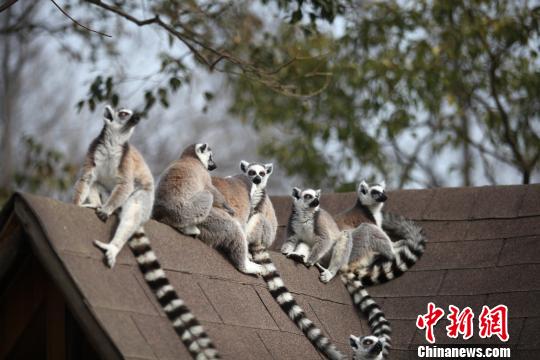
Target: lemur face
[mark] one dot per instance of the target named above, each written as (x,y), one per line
(258,174)
(205,155)
(122,120)
(371,195)
(366,347)
(308,199)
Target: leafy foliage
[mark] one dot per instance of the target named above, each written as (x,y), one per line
(44,170)
(410,82)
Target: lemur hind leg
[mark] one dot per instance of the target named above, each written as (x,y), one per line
(221,231)
(259,232)
(185,218)
(340,257)
(134,213)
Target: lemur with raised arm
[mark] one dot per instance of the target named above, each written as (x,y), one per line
(114,171)
(260,221)
(187,200)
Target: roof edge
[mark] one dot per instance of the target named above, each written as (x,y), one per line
(50,260)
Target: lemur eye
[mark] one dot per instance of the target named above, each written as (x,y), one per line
(251,172)
(123,114)
(262,173)
(368,342)
(308,197)
(375,192)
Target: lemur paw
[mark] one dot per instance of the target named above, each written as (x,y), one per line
(89,206)
(191,230)
(308,264)
(287,249)
(252,268)
(297,257)
(110,252)
(102,214)
(326,276)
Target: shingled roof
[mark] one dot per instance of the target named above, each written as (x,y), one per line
(484,249)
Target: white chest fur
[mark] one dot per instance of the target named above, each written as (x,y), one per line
(107,160)
(377,214)
(304,227)
(256,195)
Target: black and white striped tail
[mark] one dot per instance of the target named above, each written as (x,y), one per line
(408,249)
(289,305)
(184,322)
(365,304)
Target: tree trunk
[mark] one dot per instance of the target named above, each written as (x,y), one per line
(467,165)
(6,157)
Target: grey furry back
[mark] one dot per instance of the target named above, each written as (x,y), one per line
(409,246)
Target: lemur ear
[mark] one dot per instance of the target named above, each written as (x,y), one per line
(363,187)
(353,340)
(296,192)
(201,147)
(269,168)
(244,165)
(383,184)
(318,193)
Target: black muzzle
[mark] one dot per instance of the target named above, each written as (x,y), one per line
(381,197)
(257,180)
(376,349)
(314,203)
(211,165)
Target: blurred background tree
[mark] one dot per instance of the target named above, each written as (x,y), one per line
(424,93)
(428,93)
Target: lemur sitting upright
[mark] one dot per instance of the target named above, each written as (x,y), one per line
(384,264)
(363,224)
(188,201)
(246,194)
(116,172)
(374,257)
(311,230)
(261,227)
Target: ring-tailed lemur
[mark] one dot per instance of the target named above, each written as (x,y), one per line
(311,230)
(311,234)
(382,267)
(246,193)
(116,171)
(261,228)
(364,241)
(374,257)
(363,225)
(366,347)
(187,201)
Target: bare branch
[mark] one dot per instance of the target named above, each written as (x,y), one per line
(76,22)
(7,4)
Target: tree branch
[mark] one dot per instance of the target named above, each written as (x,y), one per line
(76,22)
(190,40)
(7,4)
